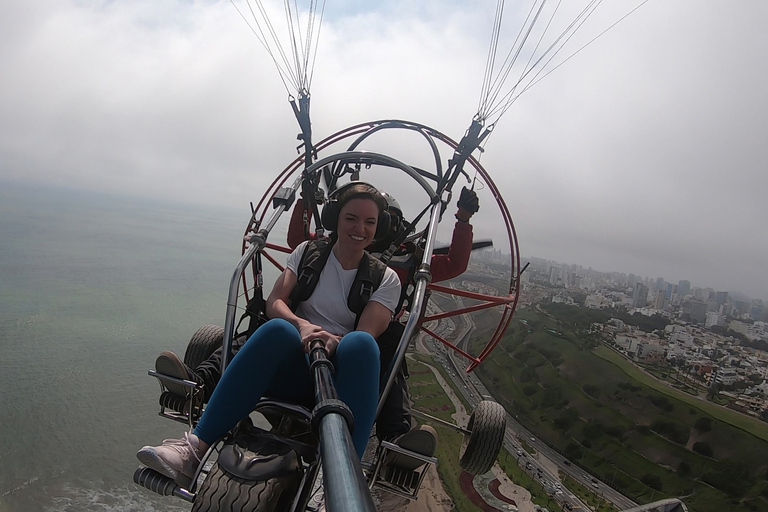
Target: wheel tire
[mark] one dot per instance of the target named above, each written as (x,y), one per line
(222,491)
(228,489)
(203,343)
(480,448)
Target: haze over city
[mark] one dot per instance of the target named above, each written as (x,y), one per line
(642,154)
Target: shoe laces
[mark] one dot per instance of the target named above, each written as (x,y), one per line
(182,446)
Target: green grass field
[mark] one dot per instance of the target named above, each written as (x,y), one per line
(648,439)
(747,423)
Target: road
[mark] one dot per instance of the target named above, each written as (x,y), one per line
(474,391)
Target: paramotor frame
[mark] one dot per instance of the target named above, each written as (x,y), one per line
(436,183)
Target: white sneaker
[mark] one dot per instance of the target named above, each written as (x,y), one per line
(174,457)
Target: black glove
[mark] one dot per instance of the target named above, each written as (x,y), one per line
(468,201)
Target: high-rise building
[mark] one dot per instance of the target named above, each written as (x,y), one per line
(661,285)
(694,311)
(721,298)
(714,318)
(683,288)
(640,295)
(742,306)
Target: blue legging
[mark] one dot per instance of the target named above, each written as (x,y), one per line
(273,363)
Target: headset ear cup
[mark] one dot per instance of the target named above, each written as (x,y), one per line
(330,216)
(383,225)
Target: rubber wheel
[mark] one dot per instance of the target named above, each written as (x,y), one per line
(254,475)
(480,448)
(222,491)
(203,343)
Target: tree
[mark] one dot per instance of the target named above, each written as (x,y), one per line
(713,391)
(573,451)
(528,375)
(703,424)
(652,481)
(593,430)
(675,432)
(702,448)
(731,477)
(616,431)
(591,390)
(566,419)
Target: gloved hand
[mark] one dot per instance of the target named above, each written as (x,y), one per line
(469,203)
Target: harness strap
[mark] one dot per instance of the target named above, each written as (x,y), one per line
(368,278)
(312,262)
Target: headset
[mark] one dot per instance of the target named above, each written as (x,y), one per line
(330,215)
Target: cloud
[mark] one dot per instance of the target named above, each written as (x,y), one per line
(643,153)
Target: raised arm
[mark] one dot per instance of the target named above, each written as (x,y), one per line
(455,262)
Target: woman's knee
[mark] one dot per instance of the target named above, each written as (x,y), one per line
(358,346)
(275,336)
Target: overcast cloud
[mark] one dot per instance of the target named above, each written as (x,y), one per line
(645,153)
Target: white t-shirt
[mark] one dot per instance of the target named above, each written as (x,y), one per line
(327,306)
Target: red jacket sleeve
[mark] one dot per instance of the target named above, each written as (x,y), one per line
(296,225)
(453,264)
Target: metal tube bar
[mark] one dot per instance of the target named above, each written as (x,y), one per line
(469,295)
(441,421)
(258,242)
(472,309)
(344,483)
(450,345)
(346,489)
(416,307)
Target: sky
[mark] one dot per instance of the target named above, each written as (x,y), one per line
(644,153)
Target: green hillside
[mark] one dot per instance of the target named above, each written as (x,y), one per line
(644,438)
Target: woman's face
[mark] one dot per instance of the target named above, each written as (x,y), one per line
(357,223)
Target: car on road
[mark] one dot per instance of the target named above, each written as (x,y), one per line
(595,484)
(566,462)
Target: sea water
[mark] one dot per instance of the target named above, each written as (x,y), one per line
(92,289)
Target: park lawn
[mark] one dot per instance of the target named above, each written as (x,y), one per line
(548,379)
(752,425)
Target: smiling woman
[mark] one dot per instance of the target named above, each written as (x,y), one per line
(273,361)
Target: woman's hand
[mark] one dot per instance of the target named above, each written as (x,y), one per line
(307,329)
(331,341)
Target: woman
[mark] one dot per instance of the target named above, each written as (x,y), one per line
(273,362)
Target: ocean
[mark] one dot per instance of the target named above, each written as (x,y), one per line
(92,288)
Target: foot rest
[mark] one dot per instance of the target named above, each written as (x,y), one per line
(182,408)
(160,484)
(396,479)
